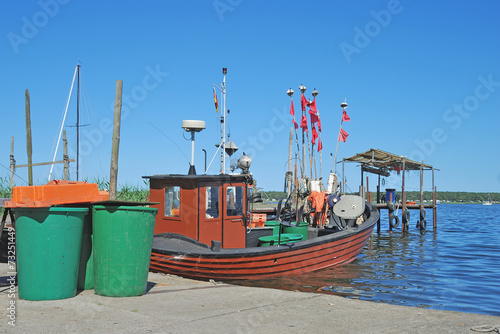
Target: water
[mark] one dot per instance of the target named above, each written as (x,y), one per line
(456,268)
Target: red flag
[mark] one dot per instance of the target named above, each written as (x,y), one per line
(303,102)
(215,100)
(292,111)
(313,106)
(295,125)
(314,117)
(343,135)
(320,145)
(345,118)
(303,123)
(314,134)
(319,124)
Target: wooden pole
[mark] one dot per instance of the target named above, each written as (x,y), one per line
(403,195)
(29,147)
(78,122)
(116,141)
(422,185)
(368,193)
(434,202)
(65,156)
(12,163)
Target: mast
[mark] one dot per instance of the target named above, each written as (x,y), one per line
(223,125)
(77,120)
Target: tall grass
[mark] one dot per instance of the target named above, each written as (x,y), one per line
(126,192)
(5,189)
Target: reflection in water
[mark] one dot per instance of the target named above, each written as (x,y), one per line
(453,268)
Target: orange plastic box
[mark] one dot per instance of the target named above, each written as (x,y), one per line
(258,220)
(56,192)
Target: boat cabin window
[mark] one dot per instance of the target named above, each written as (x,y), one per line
(172,201)
(234,201)
(212,202)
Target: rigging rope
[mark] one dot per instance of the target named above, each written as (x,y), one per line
(486,328)
(62,124)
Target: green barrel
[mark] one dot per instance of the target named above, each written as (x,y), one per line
(276,226)
(86,268)
(123,236)
(292,237)
(301,229)
(48,245)
(272,240)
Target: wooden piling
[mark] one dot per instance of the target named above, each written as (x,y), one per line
(28,137)
(403,196)
(116,141)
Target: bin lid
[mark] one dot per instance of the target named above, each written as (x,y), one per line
(55,192)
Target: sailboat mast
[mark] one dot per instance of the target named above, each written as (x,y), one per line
(77,121)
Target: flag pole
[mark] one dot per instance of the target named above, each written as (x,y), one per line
(290,93)
(343,105)
(314,94)
(303,89)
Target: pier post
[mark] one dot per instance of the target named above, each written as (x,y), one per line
(403,197)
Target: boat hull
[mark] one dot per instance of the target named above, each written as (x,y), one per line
(175,254)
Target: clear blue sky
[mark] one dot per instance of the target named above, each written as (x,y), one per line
(422,79)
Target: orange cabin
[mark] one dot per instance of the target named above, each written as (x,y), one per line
(205,208)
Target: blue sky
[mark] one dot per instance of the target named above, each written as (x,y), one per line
(422,79)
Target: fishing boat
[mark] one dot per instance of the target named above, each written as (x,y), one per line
(208,228)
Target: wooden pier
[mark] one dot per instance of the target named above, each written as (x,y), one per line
(381,163)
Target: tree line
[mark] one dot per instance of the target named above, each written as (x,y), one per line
(414,196)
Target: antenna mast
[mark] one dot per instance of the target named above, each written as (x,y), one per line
(223,125)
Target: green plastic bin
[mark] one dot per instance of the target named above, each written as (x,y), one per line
(86,267)
(301,229)
(276,226)
(123,236)
(48,245)
(292,237)
(272,240)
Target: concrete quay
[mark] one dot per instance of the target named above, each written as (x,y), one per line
(177,305)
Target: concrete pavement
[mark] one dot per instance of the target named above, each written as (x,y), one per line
(178,305)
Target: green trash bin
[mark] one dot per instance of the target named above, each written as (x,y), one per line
(301,229)
(86,267)
(292,237)
(123,236)
(271,240)
(48,242)
(275,225)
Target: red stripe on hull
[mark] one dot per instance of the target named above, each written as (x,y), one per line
(287,261)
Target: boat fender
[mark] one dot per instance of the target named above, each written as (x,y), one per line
(394,221)
(406,216)
(423,224)
(422,213)
(390,206)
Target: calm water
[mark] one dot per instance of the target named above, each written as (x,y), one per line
(455,268)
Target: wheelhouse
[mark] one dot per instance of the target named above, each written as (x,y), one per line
(207,208)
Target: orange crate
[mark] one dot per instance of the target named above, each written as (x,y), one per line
(56,192)
(258,220)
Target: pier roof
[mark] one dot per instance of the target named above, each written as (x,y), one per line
(386,161)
